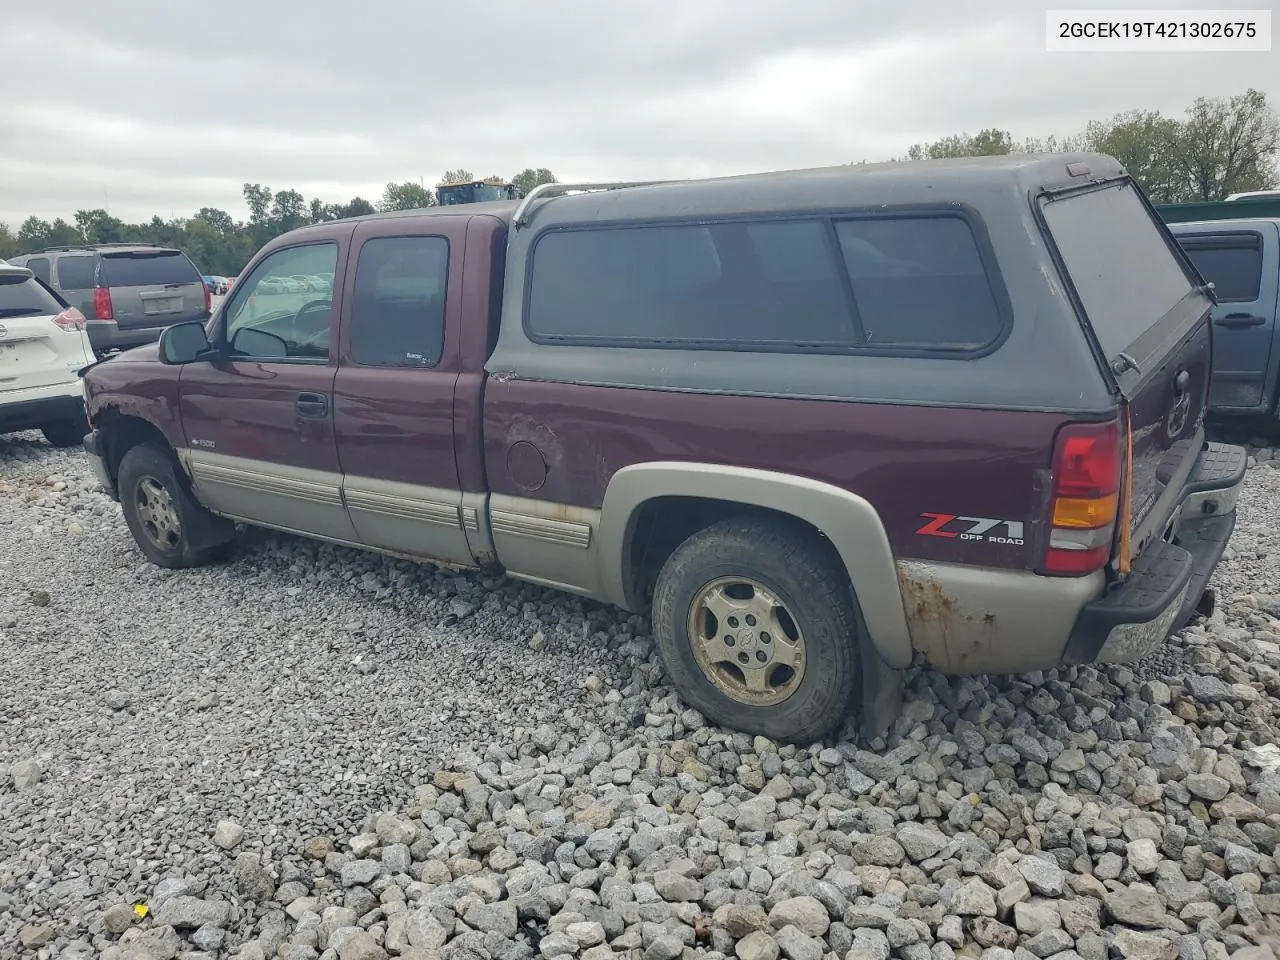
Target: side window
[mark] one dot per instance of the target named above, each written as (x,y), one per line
(765,283)
(397,311)
(919,282)
(75,273)
(1232,263)
(40,267)
(283,309)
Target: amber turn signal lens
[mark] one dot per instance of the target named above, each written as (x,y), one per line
(1084,513)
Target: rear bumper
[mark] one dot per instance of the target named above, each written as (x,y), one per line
(109,335)
(31,409)
(1167,580)
(94,447)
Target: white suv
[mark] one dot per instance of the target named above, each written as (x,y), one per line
(43,346)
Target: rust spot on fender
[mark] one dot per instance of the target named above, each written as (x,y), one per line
(950,637)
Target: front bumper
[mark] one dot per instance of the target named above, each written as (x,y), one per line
(94,447)
(1166,581)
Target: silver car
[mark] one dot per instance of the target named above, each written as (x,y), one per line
(128,292)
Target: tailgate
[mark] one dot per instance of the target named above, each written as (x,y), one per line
(1149,321)
(152,288)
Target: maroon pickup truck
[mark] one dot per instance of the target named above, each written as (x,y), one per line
(816,423)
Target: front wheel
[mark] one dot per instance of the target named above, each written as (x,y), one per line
(169,526)
(757,629)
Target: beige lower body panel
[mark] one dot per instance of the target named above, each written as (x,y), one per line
(271,494)
(551,544)
(972,620)
(409,519)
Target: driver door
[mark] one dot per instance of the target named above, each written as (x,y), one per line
(258,419)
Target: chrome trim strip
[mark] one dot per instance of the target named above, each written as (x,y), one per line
(324,494)
(564,533)
(406,508)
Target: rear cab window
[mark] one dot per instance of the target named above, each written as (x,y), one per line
(1126,274)
(22,296)
(144,268)
(890,283)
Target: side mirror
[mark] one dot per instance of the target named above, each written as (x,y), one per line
(184,343)
(252,342)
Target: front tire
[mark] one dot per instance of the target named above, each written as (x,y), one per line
(756,624)
(65,433)
(167,523)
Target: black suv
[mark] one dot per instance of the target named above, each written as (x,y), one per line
(128,292)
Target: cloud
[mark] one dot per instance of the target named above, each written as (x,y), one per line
(149,106)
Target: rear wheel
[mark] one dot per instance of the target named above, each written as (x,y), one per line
(169,526)
(65,433)
(756,625)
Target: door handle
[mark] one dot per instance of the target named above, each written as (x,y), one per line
(1237,321)
(314,406)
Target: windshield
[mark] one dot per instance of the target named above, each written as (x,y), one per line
(22,296)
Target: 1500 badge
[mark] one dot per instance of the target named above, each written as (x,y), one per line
(952,526)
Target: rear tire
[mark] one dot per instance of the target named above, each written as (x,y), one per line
(65,433)
(781,658)
(167,523)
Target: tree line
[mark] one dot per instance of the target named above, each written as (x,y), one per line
(215,241)
(1221,146)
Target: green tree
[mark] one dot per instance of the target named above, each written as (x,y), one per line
(8,242)
(321,211)
(220,220)
(1145,142)
(406,196)
(33,234)
(529,178)
(288,211)
(985,143)
(461,175)
(258,199)
(1227,145)
(98,226)
(355,207)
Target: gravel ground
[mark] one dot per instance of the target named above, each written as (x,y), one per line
(311,752)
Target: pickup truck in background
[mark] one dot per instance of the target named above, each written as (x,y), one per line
(818,424)
(1241,258)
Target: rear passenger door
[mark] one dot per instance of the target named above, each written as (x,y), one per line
(394,392)
(1242,266)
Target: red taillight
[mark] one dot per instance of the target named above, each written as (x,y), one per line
(208,300)
(102,304)
(70,320)
(1086,487)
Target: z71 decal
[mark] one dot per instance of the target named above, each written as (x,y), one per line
(954,527)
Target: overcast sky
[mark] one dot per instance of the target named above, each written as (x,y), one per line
(165,106)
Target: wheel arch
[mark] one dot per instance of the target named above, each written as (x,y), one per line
(121,432)
(849,522)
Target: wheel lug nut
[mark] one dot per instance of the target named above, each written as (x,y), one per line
(743,658)
(764,637)
(733,621)
(761,656)
(751,621)
(729,641)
